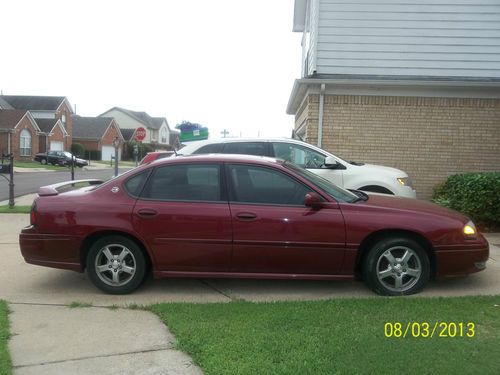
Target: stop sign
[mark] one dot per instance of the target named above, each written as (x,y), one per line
(140,134)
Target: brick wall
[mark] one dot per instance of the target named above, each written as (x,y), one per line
(429,138)
(58,136)
(66,111)
(110,135)
(4,143)
(89,145)
(15,140)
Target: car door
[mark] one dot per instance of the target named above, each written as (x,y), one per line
(184,217)
(273,231)
(308,158)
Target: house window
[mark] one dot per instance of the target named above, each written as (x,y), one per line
(25,145)
(163,135)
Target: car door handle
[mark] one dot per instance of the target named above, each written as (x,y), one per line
(246,216)
(147,212)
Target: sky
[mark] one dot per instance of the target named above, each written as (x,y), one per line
(221,63)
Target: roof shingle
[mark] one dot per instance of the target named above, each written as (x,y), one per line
(92,128)
(34,103)
(9,118)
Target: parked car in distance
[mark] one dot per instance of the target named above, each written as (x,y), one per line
(346,174)
(244,217)
(59,158)
(155,155)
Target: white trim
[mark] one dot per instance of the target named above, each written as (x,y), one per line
(32,121)
(65,100)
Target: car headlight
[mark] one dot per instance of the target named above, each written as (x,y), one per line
(405,181)
(469,231)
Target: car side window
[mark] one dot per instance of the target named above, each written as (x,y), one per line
(214,148)
(258,185)
(299,155)
(134,184)
(246,148)
(184,182)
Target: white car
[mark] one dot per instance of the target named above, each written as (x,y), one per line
(349,175)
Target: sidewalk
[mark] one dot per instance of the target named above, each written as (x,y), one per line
(50,339)
(92,167)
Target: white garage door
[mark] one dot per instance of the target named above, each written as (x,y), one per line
(56,146)
(107,152)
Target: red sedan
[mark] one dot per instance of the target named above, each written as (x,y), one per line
(245,217)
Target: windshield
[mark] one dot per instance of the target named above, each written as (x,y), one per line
(331,189)
(66,153)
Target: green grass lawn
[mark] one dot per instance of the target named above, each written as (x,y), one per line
(5,363)
(38,165)
(341,336)
(15,210)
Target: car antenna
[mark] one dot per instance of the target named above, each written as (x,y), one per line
(175,152)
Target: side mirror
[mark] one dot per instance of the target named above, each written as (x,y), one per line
(332,163)
(313,200)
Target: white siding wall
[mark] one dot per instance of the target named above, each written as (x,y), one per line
(445,38)
(310,38)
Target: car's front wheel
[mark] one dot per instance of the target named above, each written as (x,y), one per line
(396,266)
(116,265)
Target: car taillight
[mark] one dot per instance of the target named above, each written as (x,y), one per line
(33,215)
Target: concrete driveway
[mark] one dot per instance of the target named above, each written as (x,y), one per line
(24,283)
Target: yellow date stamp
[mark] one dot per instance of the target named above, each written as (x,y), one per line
(430,330)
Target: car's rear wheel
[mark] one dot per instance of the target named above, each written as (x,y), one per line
(43,161)
(396,266)
(116,265)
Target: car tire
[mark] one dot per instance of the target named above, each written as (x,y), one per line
(116,265)
(43,161)
(396,266)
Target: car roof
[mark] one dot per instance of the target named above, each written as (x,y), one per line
(218,158)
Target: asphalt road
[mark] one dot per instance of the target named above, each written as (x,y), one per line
(29,182)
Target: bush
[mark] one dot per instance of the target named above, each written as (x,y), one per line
(93,155)
(78,149)
(476,195)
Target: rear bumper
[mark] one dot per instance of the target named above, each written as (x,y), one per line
(50,250)
(462,260)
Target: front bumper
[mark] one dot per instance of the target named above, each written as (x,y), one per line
(461,260)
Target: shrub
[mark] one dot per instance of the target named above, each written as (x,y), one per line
(476,195)
(78,149)
(93,155)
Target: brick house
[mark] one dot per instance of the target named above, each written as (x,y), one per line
(18,134)
(157,129)
(45,107)
(52,131)
(97,133)
(414,85)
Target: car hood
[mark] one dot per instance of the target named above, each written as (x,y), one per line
(412,205)
(373,168)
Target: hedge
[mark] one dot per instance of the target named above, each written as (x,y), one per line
(476,195)
(78,149)
(93,155)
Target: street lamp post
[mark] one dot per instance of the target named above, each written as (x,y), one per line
(116,144)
